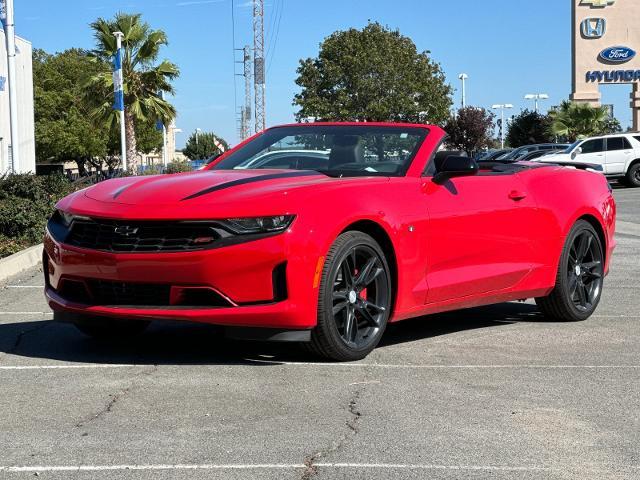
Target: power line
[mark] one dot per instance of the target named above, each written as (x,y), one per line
(277,34)
(272,23)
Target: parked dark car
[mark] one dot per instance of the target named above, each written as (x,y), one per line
(492,155)
(520,152)
(535,155)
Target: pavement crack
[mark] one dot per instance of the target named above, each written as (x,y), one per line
(23,333)
(115,398)
(353,426)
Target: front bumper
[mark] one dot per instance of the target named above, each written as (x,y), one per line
(243,275)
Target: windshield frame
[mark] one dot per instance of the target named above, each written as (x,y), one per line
(283,131)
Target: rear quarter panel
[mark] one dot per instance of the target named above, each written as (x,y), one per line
(564,195)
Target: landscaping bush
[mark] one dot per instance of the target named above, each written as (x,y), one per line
(26,203)
(179,167)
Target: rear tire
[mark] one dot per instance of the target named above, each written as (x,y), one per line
(579,279)
(632,178)
(354,300)
(104,328)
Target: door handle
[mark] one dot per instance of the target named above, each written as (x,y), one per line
(517,195)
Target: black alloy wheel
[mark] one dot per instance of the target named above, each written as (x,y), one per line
(585,270)
(360,296)
(354,299)
(580,276)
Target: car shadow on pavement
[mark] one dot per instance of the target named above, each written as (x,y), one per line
(175,343)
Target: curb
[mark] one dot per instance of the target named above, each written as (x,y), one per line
(18,262)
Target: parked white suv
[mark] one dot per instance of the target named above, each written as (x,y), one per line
(619,155)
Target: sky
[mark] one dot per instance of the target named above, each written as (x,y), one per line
(508,48)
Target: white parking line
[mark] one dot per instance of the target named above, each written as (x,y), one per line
(387,366)
(68,367)
(296,466)
(26,313)
(97,468)
(24,286)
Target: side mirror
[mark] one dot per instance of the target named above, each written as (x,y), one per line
(576,152)
(454,166)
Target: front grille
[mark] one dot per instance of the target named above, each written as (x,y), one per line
(122,293)
(114,293)
(121,237)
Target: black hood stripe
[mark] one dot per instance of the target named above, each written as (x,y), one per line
(244,181)
(117,193)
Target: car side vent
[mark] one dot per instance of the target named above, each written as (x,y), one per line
(280,282)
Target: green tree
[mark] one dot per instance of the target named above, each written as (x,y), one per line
(612,125)
(529,128)
(573,120)
(64,130)
(201,145)
(143,76)
(470,129)
(373,74)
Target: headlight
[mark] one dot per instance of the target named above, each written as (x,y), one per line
(243,226)
(65,217)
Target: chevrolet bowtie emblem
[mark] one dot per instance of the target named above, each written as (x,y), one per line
(598,3)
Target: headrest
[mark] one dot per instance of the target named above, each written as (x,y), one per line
(345,149)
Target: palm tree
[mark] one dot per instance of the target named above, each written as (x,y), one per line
(578,120)
(144,78)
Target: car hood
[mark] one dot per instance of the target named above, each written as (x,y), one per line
(202,186)
(554,157)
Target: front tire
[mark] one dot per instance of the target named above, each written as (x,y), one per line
(354,300)
(579,279)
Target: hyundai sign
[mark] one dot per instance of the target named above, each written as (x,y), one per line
(617,54)
(622,76)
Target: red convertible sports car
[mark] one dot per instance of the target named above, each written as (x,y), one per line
(351,226)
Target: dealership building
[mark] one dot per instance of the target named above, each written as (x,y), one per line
(606,50)
(24,90)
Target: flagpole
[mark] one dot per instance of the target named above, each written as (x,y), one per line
(118,86)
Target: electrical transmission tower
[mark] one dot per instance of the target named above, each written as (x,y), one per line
(258,64)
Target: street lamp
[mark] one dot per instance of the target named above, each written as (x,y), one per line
(536,97)
(463,77)
(198,130)
(502,107)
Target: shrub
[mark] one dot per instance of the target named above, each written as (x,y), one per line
(178,167)
(26,202)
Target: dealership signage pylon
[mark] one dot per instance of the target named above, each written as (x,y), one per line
(118,90)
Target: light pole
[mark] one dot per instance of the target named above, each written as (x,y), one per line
(536,97)
(463,77)
(502,107)
(10,37)
(198,130)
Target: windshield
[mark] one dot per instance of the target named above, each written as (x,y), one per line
(333,150)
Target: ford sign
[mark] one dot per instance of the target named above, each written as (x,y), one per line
(617,54)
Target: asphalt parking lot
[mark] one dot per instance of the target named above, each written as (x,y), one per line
(495,392)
